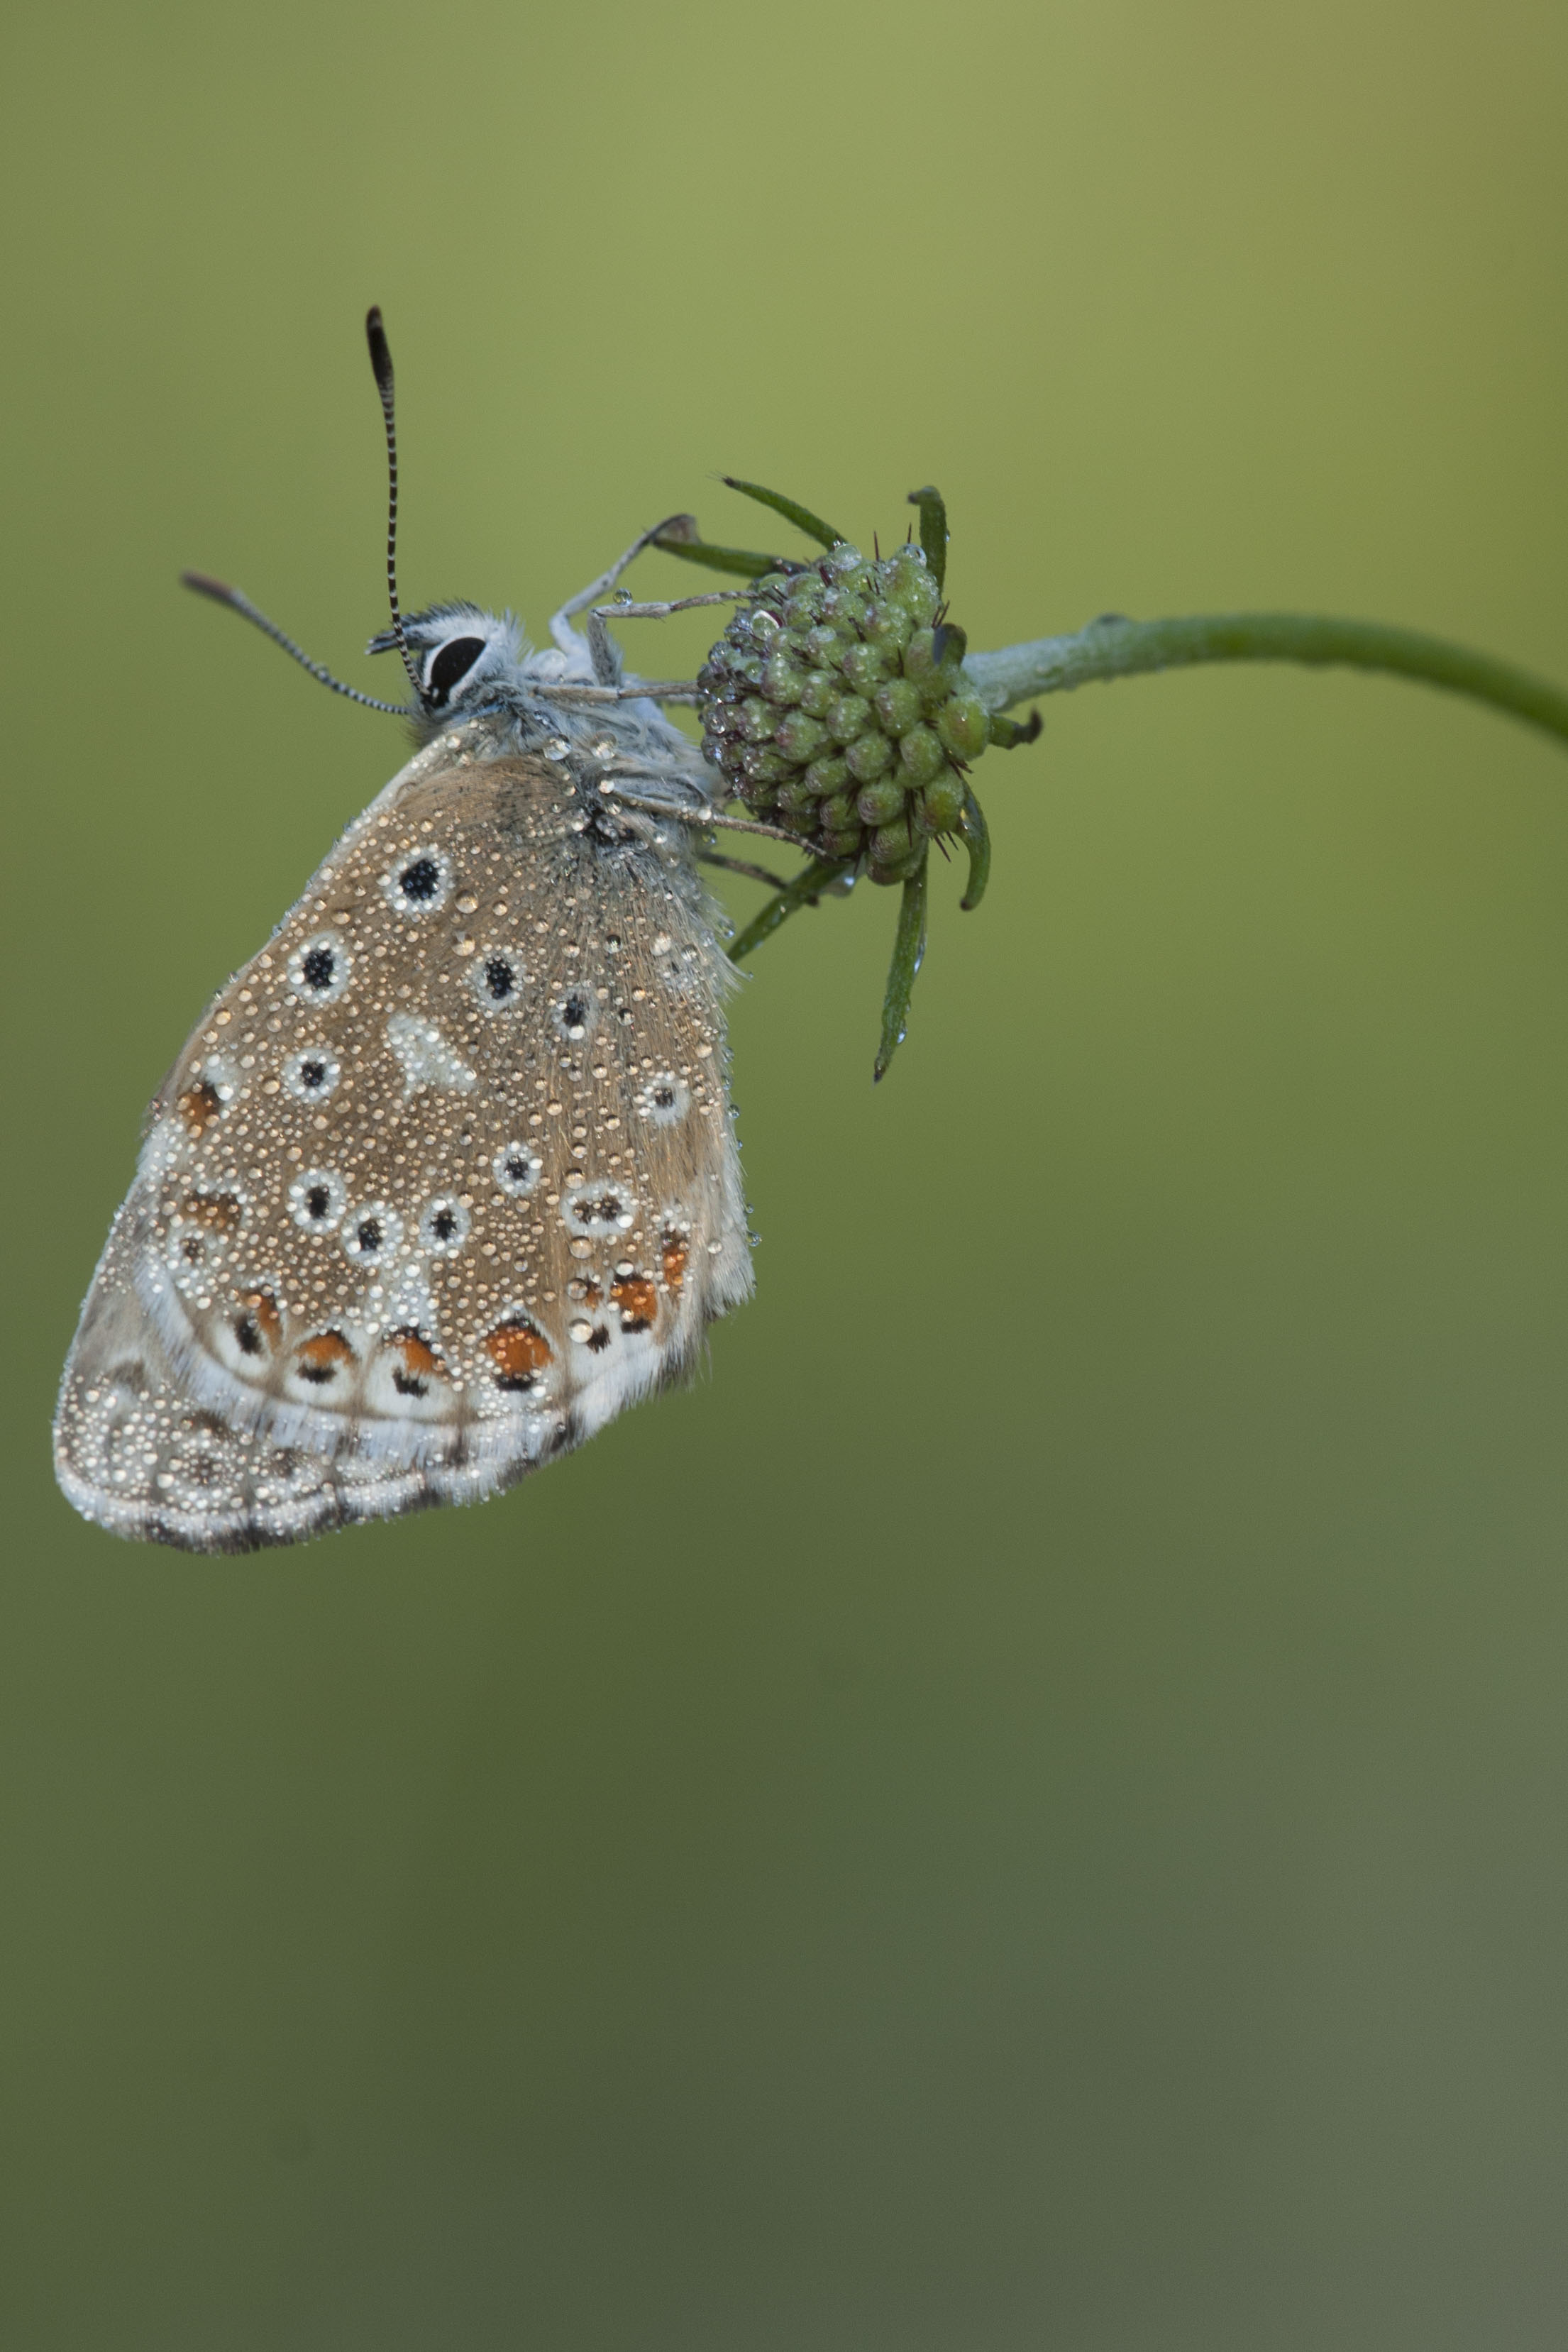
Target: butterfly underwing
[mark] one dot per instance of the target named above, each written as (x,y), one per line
(445,1176)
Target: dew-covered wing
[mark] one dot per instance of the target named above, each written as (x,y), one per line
(443,1178)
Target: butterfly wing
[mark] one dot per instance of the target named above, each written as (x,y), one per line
(443,1179)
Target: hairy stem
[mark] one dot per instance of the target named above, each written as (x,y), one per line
(1114,647)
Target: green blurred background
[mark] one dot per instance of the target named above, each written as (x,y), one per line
(1028,1808)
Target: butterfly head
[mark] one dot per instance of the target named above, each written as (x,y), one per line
(461,655)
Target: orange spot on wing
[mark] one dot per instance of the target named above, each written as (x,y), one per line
(214,1213)
(519,1351)
(673,1255)
(263,1309)
(259,1326)
(199,1106)
(321,1357)
(638,1299)
(419,1361)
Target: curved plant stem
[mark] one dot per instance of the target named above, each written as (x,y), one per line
(1114,647)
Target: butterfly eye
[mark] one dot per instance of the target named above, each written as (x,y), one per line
(447,666)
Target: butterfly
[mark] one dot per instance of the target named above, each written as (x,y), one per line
(445,1176)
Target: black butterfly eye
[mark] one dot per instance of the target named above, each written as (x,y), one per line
(450,664)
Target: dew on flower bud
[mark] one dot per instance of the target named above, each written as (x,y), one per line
(880,802)
(801,738)
(922,756)
(783,678)
(865,668)
(828,776)
(889,627)
(919,655)
(869,755)
(795,797)
(941,804)
(838,705)
(964,725)
(898,705)
(848,717)
(890,847)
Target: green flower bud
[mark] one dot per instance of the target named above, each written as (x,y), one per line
(890,848)
(836,702)
(907,578)
(801,738)
(942,805)
(889,627)
(869,755)
(921,755)
(761,764)
(920,655)
(828,776)
(865,668)
(796,798)
(964,725)
(783,678)
(880,802)
(898,705)
(848,718)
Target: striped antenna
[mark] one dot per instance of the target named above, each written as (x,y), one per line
(381,361)
(238,602)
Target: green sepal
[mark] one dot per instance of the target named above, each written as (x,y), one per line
(745,560)
(1007,734)
(976,837)
(949,646)
(933,531)
(807,885)
(802,517)
(909,947)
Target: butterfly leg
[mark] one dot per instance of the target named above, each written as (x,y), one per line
(743,866)
(562,633)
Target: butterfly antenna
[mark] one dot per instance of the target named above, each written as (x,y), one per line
(381,361)
(238,602)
